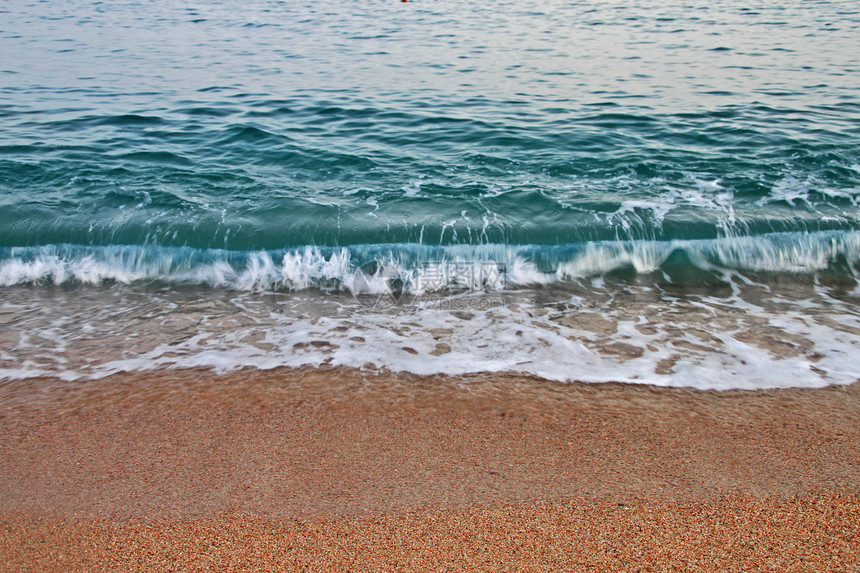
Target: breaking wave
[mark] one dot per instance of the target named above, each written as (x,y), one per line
(421,268)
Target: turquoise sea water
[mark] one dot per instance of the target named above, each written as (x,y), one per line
(569,159)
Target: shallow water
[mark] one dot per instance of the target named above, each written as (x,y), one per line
(721,336)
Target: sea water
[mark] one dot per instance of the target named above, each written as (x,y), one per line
(647,192)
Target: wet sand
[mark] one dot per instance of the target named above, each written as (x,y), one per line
(337,469)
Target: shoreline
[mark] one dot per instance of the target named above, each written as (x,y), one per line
(131,467)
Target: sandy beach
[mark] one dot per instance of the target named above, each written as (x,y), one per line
(340,470)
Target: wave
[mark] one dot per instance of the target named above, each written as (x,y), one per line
(416,268)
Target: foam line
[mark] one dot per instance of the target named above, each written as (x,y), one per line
(421,268)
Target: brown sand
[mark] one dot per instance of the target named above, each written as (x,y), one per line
(338,469)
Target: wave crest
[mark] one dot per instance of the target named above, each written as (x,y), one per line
(423,268)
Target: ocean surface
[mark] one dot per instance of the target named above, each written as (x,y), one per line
(659,192)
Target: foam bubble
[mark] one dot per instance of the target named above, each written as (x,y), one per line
(455,267)
(781,334)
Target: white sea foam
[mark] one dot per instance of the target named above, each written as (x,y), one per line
(601,258)
(456,266)
(698,194)
(373,203)
(303,269)
(631,212)
(791,190)
(754,336)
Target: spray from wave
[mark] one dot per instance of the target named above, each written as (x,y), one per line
(422,268)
